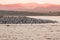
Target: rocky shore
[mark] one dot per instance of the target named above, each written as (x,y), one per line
(23,20)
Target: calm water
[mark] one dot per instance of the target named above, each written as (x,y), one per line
(31,32)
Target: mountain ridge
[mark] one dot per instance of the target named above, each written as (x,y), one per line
(31,7)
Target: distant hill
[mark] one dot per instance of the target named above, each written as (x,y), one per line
(24,13)
(31,7)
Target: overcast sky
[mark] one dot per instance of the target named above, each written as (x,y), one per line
(29,1)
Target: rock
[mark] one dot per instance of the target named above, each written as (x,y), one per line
(23,20)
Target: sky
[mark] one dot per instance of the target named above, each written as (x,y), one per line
(29,1)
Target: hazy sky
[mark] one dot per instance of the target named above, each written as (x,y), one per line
(29,1)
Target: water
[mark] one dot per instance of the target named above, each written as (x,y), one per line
(31,31)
